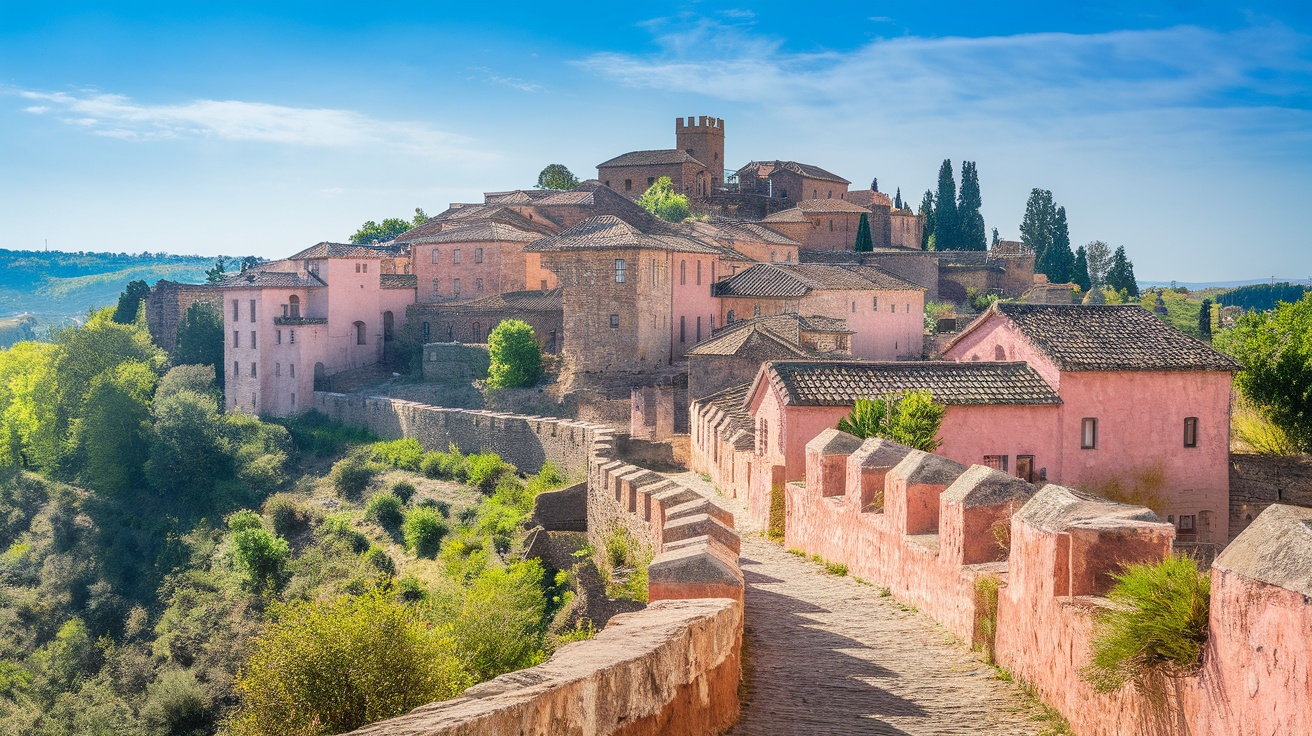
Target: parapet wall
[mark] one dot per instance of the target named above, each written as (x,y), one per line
(930,529)
(670,668)
(1257,481)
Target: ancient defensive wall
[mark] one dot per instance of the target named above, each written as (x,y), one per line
(931,530)
(672,667)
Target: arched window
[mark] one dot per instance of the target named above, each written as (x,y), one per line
(477,331)
(999,352)
(293,306)
(359,334)
(728,318)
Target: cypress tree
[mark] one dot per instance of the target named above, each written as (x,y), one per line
(995,236)
(1205,320)
(1036,227)
(927,213)
(1080,271)
(945,209)
(1059,260)
(970,227)
(864,244)
(1121,274)
(897,199)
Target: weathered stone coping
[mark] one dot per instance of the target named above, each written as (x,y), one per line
(671,668)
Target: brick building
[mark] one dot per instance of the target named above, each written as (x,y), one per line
(472,321)
(695,165)
(790,180)
(735,352)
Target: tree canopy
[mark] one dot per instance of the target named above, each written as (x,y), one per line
(1045,231)
(661,200)
(1099,257)
(556,176)
(1275,349)
(387,229)
(200,339)
(970,223)
(945,209)
(129,302)
(1120,274)
(927,214)
(515,355)
(864,243)
(1080,271)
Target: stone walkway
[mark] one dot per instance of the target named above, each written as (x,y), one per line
(829,655)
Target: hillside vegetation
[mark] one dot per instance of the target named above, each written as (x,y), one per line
(168,568)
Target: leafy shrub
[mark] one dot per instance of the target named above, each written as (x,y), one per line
(287,513)
(1253,432)
(385,509)
(446,465)
(442,507)
(411,589)
(1158,625)
(339,526)
(423,531)
(464,557)
(484,470)
(500,625)
(622,562)
(986,614)
(352,474)
(405,454)
(582,631)
(661,200)
(313,433)
(516,358)
(259,556)
(377,558)
(404,490)
(912,419)
(176,704)
(296,680)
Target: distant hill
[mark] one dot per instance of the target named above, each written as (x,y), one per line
(1200,285)
(40,289)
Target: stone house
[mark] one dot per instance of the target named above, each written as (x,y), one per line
(1143,405)
(285,328)
(474,260)
(695,166)
(790,180)
(734,354)
(884,312)
(828,224)
(472,321)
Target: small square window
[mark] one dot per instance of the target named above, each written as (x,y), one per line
(1088,433)
(1186,522)
(997,462)
(615,321)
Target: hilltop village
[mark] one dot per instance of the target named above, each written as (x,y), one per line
(738,339)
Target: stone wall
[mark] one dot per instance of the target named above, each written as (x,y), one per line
(453,362)
(1257,481)
(166,304)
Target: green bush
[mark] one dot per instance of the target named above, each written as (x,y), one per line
(176,704)
(445,465)
(339,526)
(411,589)
(313,433)
(377,558)
(326,668)
(287,513)
(423,531)
(385,509)
(1157,625)
(484,470)
(352,474)
(516,358)
(500,625)
(912,419)
(261,557)
(622,562)
(404,490)
(405,454)
(442,507)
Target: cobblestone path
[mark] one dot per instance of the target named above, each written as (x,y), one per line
(829,655)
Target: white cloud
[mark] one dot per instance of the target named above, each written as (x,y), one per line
(118,116)
(523,85)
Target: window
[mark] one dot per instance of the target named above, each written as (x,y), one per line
(292,337)
(683,272)
(277,370)
(651,180)
(293,400)
(614,321)
(1088,433)
(436,255)
(608,183)
(756,310)
(772,256)
(831,226)
(455,287)
(699,328)
(478,285)
(762,436)
(815,194)
(874,303)
(364,268)
(455,256)
(252,339)
(997,462)
(628,185)
(426,331)
(892,308)
(999,352)
(291,369)
(1025,467)
(236,315)
(1186,523)
(359,333)
(728,318)
(783,194)
(1191,431)
(277,337)
(236,338)
(294,306)
(252,310)
(853,307)
(683,329)
(477,330)
(619,270)
(478,255)
(699,273)
(830,195)
(437,287)
(357,268)
(236,369)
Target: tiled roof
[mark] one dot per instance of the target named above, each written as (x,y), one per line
(754,337)
(517,301)
(608,232)
(647,158)
(270,279)
(398,281)
(827,206)
(781,280)
(539,197)
(792,214)
(732,401)
(1119,337)
(472,215)
(811,172)
(751,230)
(809,255)
(841,383)
(346,250)
(480,232)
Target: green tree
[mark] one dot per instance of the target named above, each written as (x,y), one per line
(217,272)
(200,339)
(1275,349)
(1099,255)
(327,668)
(27,402)
(1120,273)
(971,222)
(516,357)
(1058,261)
(927,215)
(946,224)
(129,302)
(660,200)
(912,419)
(112,437)
(897,199)
(556,176)
(996,239)
(1036,226)
(1080,271)
(864,243)
(257,554)
(388,229)
(1205,320)
(190,449)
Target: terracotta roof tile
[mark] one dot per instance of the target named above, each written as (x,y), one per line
(782,280)
(807,170)
(346,250)
(1118,337)
(269,279)
(608,232)
(792,214)
(648,158)
(480,232)
(398,281)
(841,383)
(826,206)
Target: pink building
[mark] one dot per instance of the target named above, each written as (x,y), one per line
(1145,408)
(886,314)
(327,309)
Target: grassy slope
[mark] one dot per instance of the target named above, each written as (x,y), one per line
(60,285)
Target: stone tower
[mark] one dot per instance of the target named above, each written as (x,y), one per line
(703,139)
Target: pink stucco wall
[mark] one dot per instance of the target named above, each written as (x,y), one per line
(695,311)
(887,325)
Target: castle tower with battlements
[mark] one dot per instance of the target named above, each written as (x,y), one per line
(703,139)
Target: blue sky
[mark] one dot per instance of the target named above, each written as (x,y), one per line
(1182,130)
